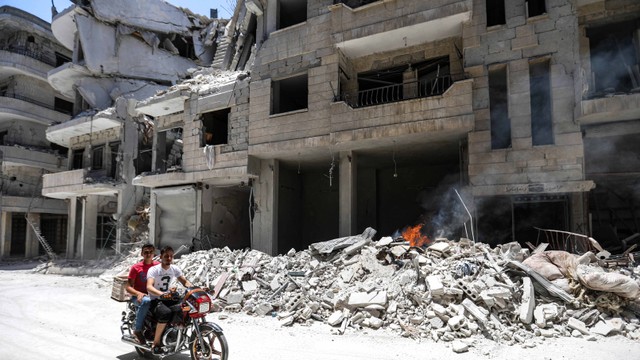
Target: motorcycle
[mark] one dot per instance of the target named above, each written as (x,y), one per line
(192,332)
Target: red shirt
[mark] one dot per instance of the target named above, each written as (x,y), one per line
(138,274)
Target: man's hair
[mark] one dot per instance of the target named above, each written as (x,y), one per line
(165,249)
(147,246)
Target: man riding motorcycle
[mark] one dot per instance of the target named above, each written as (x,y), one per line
(159,280)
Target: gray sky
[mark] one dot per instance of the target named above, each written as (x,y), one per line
(42,8)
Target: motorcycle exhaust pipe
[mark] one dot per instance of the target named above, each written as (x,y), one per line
(130,341)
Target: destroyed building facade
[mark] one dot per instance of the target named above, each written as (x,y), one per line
(28,105)
(311,120)
(122,52)
(371,113)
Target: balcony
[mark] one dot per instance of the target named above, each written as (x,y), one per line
(17,61)
(165,104)
(81,182)
(19,107)
(611,108)
(398,92)
(24,204)
(426,116)
(384,26)
(83,124)
(22,156)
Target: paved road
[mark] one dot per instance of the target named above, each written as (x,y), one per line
(64,317)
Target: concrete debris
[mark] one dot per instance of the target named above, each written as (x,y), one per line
(451,291)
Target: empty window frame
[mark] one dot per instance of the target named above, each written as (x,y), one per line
(215,127)
(114,148)
(540,90)
(63,106)
(106,232)
(535,8)
(291,12)
(61,59)
(499,108)
(614,60)
(289,94)
(78,159)
(97,157)
(495,12)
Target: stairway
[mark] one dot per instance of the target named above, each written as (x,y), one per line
(41,239)
(221,53)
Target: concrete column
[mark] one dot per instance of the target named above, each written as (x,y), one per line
(32,244)
(265,222)
(5,234)
(153,213)
(72,208)
(87,243)
(348,190)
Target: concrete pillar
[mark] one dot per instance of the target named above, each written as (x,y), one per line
(72,208)
(265,222)
(348,190)
(153,219)
(87,243)
(5,234)
(32,244)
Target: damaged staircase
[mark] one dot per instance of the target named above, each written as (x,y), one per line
(45,245)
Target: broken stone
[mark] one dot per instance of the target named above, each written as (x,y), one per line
(459,347)
(361,299)
(577,325)
(602,328)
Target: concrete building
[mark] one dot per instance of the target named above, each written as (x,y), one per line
(28,105)
(200,191)
(122,52)
(314,119)
(373,113)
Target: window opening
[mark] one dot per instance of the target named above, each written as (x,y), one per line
(215,127)
(61,59)
(541,118)
(2,136)
(97,161)
(289,94)
(614,61)
(63,106)
(499,109)
(495,12)
(115,148)
(291,12)
(535,7)
(106,232)
(78,159)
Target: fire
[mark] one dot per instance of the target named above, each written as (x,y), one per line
(413,235)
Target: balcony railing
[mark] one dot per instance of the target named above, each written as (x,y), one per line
(398,92)
(30,53)
(35,102)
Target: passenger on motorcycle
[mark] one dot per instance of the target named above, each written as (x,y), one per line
(137,287)
(159,279)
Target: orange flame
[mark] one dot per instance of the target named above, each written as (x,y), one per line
(415,238)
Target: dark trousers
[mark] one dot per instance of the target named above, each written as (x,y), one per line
(166,311)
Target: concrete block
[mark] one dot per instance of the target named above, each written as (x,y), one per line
(459,347)
(435,285)
(578,325)
(602,328)
(362,299)
(528,301)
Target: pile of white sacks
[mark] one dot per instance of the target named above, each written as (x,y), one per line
(447,291)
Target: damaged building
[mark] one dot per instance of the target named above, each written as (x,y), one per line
(375,113)
(30,225)
(122,52)
(295,122)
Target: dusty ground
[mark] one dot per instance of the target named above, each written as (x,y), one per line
(72,317)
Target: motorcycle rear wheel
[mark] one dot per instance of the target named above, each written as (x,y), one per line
(215,345)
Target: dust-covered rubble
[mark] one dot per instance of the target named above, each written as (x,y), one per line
(448,291)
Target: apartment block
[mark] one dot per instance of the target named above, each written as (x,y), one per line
(123,52)
(28,105)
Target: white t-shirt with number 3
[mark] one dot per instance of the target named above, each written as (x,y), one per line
(163,278)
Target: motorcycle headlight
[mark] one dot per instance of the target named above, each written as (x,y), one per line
(204,307)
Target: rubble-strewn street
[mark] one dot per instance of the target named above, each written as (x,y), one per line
(72,317)
(451,292)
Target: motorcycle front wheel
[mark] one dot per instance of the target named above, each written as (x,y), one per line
(214,346)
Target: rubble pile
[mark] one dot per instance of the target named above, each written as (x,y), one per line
(447,291)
